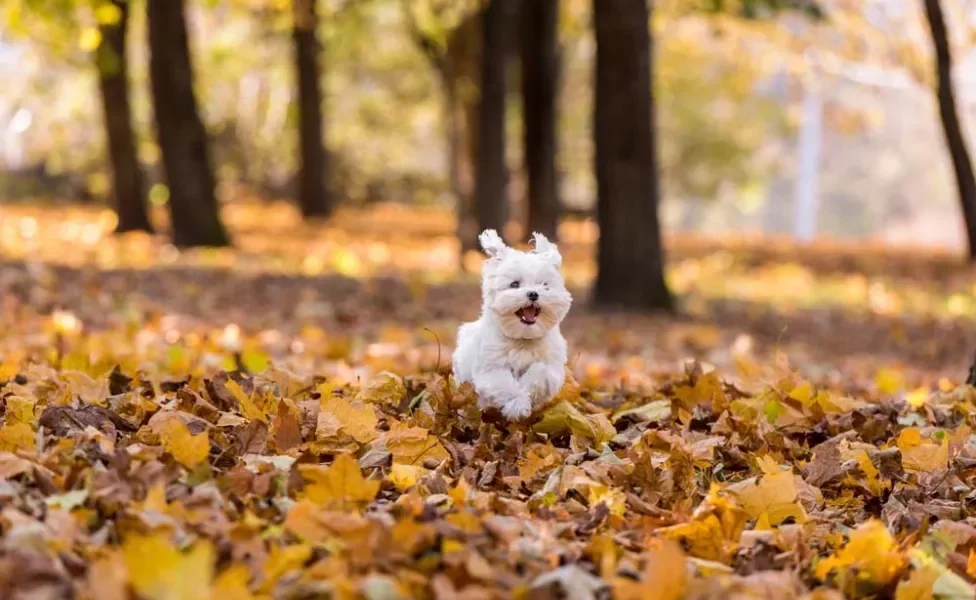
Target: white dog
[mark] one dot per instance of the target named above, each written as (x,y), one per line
(514,354)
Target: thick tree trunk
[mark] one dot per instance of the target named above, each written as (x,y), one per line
(182,138)
(630,263)
(540,82)
(313,193)
(128,187)
(490,198)
(961,163)
(463,150)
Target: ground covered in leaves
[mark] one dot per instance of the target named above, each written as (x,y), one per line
(194,427)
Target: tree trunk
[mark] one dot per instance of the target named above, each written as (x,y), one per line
(540,82)
(490,198)
(313,194)
(961,164)
(182,138)
(630,261)
(128,187)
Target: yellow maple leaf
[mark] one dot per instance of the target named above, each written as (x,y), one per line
(406,476)
(408,535)
(918,455)
(872,475)
(314,523)
(871,555)
(918,586)
(340,485)
(232,584)
(156,498)
(714,530)
(249,407)
(385,388)
(281,561)
(803,393)
(413,445)
(20,410)
(665,576)
(188,449)
(707,389)
(158,571)
(18,436)
(357,420)
(564,417)
(703,538)
(772,499)
(538,458)
(614,499)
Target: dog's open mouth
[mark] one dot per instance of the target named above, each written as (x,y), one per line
(528,314)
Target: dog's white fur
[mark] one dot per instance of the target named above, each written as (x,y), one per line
(512,365)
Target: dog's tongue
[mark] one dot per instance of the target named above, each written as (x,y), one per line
(528,313)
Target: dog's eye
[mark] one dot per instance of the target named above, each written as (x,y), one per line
(514,284)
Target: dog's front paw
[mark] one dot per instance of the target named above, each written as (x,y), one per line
(541,382)
(518,408)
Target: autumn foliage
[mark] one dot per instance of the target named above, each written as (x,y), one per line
(178,430)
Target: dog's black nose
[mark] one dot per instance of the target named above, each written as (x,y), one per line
(533,296)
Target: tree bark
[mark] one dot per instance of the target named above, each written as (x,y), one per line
(182,138)
(128,187)
(540,82)
(453,63)
(313,193)
(630,261)
(961,163)
(490,198)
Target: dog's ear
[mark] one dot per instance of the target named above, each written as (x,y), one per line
(546,249)
(492,243)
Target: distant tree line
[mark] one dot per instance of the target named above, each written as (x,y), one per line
(479,48)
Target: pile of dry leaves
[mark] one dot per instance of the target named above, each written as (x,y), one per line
(260,483)
(224,426)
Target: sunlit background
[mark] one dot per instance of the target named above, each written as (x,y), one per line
(804,173)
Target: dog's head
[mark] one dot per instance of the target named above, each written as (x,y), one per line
(523,290)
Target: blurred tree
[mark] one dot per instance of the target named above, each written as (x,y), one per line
(186,160)
(540,84)
(313,192)
(630,261)
(111,56)
(449,33)
(757,9)
(961,162)
(491,174)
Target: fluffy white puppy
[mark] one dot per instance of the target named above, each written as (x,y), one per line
(514,354)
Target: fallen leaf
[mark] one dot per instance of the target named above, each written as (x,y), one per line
(771,499)
(870,556)
(384,388)
(158,571)
(189,450)
(340,485)
(413,445)
(406,476)
(564,418)
(18,436)
(356,420)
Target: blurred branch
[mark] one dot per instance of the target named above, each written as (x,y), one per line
(424,40)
